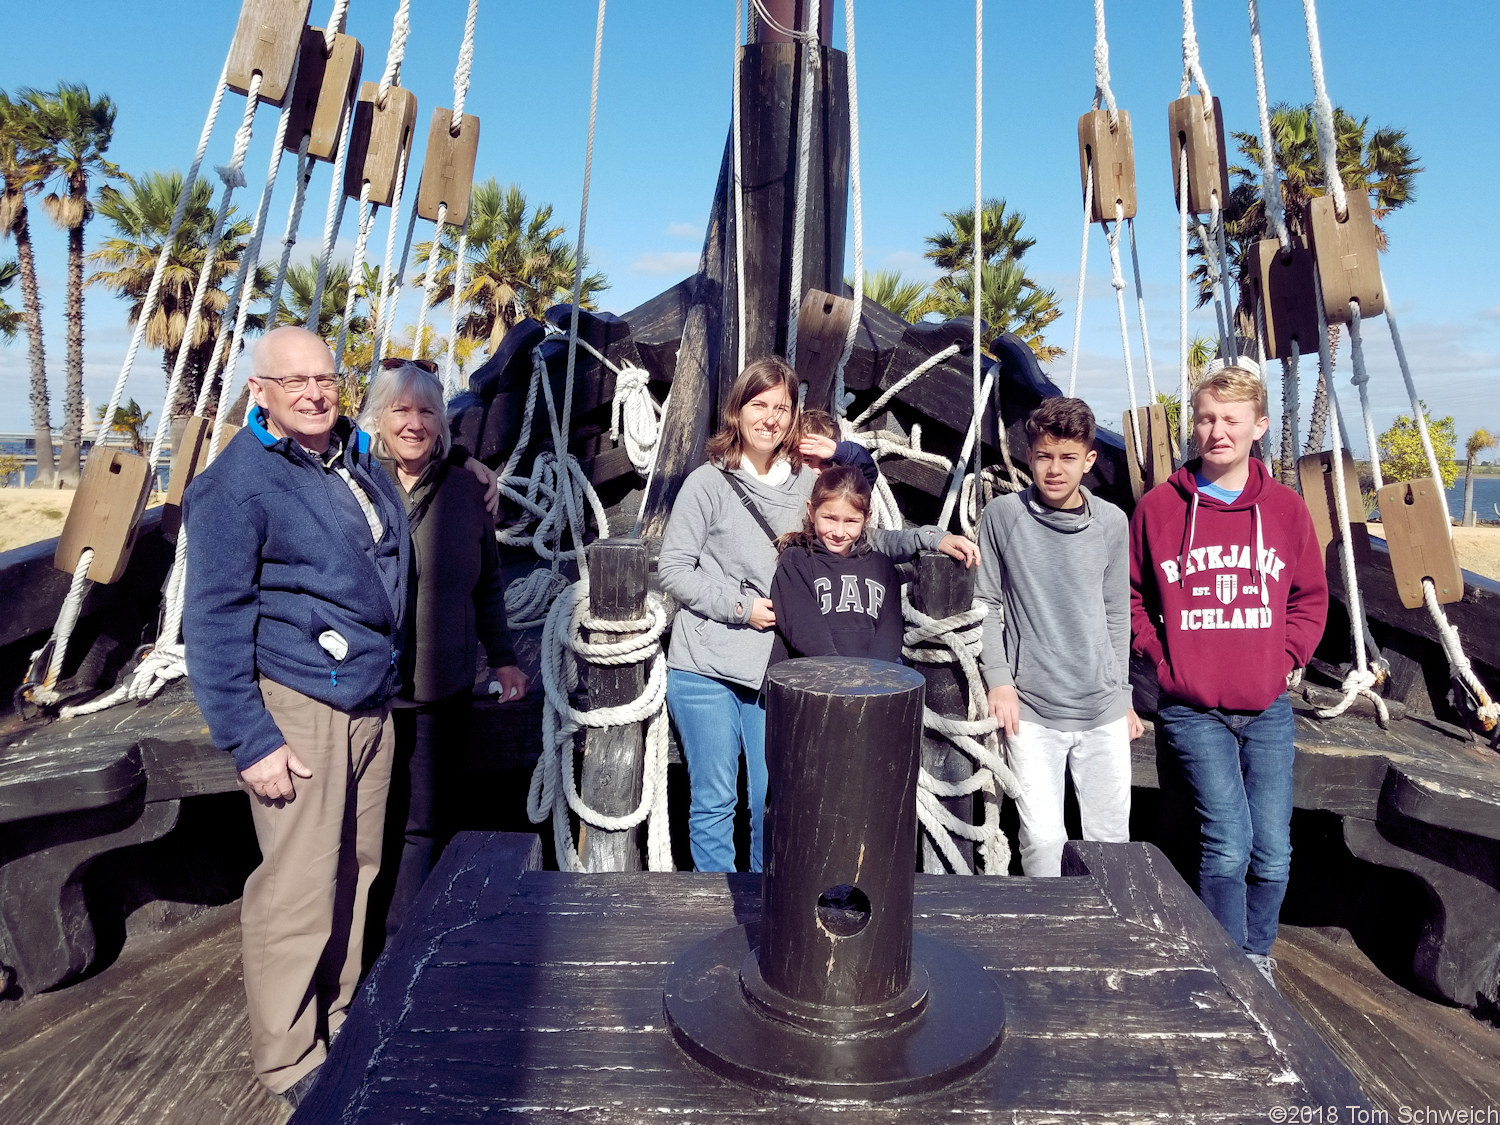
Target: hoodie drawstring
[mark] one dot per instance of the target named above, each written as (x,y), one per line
(1260,558)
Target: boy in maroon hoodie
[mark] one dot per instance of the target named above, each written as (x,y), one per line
(1228,596)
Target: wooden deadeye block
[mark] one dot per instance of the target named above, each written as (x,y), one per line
(380,142)
(325,80)
(1347,256)
(822,325)
(1288,297)
(1111,154)
(105,515)
(1203,137)
(267,39)
(1417,529)
(1148,447)
(1315,471)
(448,167)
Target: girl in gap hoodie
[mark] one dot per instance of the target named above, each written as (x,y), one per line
(1225,598)
(835,595)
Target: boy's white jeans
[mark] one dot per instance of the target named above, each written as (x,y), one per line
(1041,758)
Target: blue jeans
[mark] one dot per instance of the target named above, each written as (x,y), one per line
(715,721)
(1239,767)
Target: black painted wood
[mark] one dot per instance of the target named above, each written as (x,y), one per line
(842,738)
(944,587)
(614,757)
(536,995)
(691,412)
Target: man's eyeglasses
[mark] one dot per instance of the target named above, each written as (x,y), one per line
(296,384)
(391,362)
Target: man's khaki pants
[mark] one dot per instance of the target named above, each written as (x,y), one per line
(303,915)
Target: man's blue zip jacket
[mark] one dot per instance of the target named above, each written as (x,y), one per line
(282,575)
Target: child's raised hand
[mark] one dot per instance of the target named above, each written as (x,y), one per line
(963,549)
(762,615)
(816,445)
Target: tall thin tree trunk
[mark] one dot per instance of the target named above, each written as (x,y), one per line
(41,409)
(1469,492)
(1318,425)
(1288,431)
(68,460)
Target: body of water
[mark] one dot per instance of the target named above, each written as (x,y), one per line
(1486,497)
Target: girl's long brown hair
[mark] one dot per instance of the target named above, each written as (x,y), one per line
(759,376)
(846,482)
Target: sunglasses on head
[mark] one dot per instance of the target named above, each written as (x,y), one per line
(391,362)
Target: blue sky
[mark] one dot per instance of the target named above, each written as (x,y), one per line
(664,112)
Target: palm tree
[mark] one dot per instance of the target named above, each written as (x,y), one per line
(1012,301)
(22,175)
(1478,442)
(131,421)
(141,215)
(1380,164)
(10,319)
(77,128)
(297,295)
(907,299)
(519,264)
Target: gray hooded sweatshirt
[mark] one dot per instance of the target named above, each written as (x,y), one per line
(1057,584)
(716,560)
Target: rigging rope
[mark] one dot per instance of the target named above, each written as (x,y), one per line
(1270,179)
(856,315)
(1323,113)
(956,640)
(554,789)
(805,97)
(1083,266)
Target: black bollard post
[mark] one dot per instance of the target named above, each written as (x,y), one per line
(831,994)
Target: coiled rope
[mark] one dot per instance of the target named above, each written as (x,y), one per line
(956,640)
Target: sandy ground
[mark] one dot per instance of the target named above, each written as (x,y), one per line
(29,514)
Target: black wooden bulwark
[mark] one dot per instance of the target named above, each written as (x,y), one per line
(520,994)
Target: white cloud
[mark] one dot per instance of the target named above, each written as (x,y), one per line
(666,263)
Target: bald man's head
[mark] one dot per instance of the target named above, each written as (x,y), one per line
(292,379)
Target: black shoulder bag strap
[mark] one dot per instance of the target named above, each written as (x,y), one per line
(739,490)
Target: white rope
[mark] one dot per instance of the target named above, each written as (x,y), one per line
(971,439)
(956,640)
(1103,94)
(395,52)
(1140,310)
(67,619)
(554,790)
(1192,65)
(841,399)
(1270,180)
(1183,382)
(429,280)
(388,285)
(1213,266)
(739,189)
(153,290)
(905,381)
(978,385)
(1323,113)
(451,383)
(1226,278)
(335,23)
(1417,413)
(1117,280)
(1361,679)
(1361,379)
(462,71)
(810,59)
(1488,711)
(1083,266)
(232,175)
(570,469)
(337,199)
(635,416)
(770,21)
(356,272)
(293,221)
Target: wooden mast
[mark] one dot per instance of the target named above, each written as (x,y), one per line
(770,91)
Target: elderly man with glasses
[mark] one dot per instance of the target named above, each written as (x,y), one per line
(298,557)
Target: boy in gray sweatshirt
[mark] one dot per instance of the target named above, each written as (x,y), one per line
(1055,574)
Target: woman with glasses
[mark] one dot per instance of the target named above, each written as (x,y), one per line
(717,560)
(456,602)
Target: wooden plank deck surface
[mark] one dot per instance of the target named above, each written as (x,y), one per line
(160,1038)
